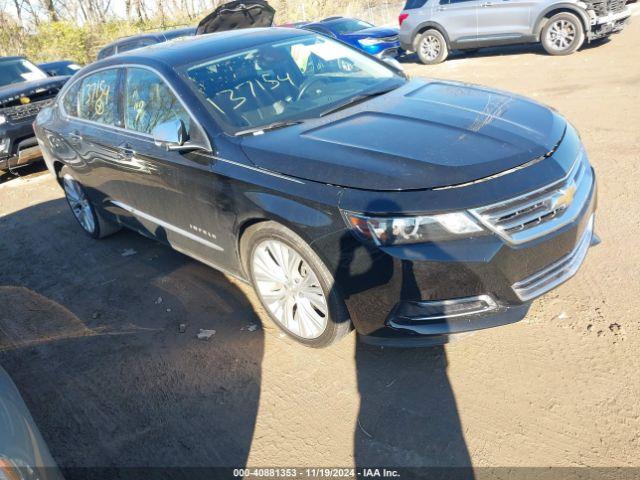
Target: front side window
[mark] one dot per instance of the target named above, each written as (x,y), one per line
(99,98)
(150,102)
(287,81)
(18,71)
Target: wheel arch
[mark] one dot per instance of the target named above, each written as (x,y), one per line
(430,25)
(552,10)
(307,222)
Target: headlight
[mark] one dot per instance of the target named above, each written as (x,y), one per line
(419,229)
(3,119)
(370,42)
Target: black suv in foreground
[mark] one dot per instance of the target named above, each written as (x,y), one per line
(24,90)
(345,193)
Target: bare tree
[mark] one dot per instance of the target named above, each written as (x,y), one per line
(50,9)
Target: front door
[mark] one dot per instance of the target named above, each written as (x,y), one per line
(504,21)
(459,19)
(171,193)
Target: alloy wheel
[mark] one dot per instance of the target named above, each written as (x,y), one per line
(290,289)
(430,47)
(79,203)
(561,35)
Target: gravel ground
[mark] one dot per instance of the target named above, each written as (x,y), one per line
(90,331)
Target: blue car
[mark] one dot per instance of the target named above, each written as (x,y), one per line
(378,41)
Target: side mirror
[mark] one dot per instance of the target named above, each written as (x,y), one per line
(172,135)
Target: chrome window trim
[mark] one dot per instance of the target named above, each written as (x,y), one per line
(124,66)
(167,225)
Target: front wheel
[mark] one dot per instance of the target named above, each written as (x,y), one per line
(431,47)
(294,285)
(563,34)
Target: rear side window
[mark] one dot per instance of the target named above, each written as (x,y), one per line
(415,4)
(98,98)
(134,44)
(70,100)
(150,102)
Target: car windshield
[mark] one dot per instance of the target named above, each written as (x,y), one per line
(288,81)
(18,71)
(348,25)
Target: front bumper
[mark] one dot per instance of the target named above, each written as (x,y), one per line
(417,294)
(608,24)
(20,146)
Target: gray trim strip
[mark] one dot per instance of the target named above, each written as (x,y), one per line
(168,226)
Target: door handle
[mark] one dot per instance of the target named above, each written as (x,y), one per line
(126,152)
(75,138)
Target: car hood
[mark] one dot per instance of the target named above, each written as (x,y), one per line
(423,135)
(10,94)
(373,32)
(237,14)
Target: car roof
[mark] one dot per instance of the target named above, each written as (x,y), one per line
(201,48)
(56,62)
(160,34)
(15,57)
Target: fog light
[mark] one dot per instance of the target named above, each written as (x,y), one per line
(443,309)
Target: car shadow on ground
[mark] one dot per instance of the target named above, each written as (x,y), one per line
(508,50)
(91,333)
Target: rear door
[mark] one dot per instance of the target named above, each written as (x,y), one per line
(459,19)
(504,21)
(92,119)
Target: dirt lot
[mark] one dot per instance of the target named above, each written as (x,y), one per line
(90,332)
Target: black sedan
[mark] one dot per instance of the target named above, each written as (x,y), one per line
(346,194)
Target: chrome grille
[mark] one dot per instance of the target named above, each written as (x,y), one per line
(530,216)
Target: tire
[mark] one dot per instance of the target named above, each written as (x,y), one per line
(93,222)
(318,323)
(563,34)
(431,47)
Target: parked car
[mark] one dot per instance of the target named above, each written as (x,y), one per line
(237,14)
(24,90)
(127,44)
(60,67)
(410,210)
(432,28)
(377,41)
(23,453)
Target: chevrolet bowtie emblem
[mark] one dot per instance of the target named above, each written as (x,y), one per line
(563,197)
(25,100)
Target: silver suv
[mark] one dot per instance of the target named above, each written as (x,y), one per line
(432,28)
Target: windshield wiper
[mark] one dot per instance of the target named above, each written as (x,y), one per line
(269,126)
(357,99)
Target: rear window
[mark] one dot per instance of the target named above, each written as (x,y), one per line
(414,4)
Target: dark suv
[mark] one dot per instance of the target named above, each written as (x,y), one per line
(24,90)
